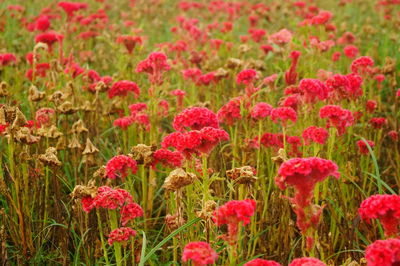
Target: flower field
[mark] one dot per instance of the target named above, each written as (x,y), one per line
(212,132)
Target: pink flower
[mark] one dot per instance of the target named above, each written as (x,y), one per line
(315,134)
(336,56)
(323,17)
(394,135)
(123,122)
(362,65)
(351,51)
(232,213)
(283,114)
(337,117)
(260,111)
(129,42)
(120,235)
(168,158)
(230,112)
(307,262)
(281,37)
(119,165)
(121,88)
(154,65)
(107,198)
(363,147)
(49,38)
(386,208)
(200,253)
(195,118)
(378,122)
(129,212)
(7,59)
(71,7)
(313,89)
(383,252)
(291,74)
(246,77)
(370,106)
(261,262)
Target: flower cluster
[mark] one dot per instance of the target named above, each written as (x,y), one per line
(119,165)
(195,118)
(120,235)
(200,253)
(383,252)
(337,116)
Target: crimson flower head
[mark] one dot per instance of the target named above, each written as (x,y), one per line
(200,253)
(230,112)
(49,38)
(351,51)
(313,89)
(119,165)
(303,174)
(307,262)
(246,77)
(129,42)
(337,117)
(42,23)
(71,7)
(362,65)
(386,208)
(383,252)
(154,65)
(370,106)
(378,122)
(130,211)
(107,198)
(7,59)
(315,134)
(261,262)
(394,135)
(195,118)
(167,158)
(260,111)
(120,235)
(363,147)
(232,213)
(121,88)
(281,37)
(283,114)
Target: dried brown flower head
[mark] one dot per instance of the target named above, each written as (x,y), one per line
(242,175)
(34,95)
(50,157)
(143,154)
(177,179)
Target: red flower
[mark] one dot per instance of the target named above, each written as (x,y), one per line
(261,262)
(129,41)
(291,74)
(362,65)
(232,213)
(394,135)
(363,147)
(323,17)
(167,158)
(49,38)
(107,198)
(283,114)
(195,118)
(351,51)
(230,112)
(307,262)
(7,59)
(315,134)
(200,253)
(154,65)
(386,208)
(120,235)
(42,23)
(260,111)
(71,7)
(383,252)
(123,122)
(119,165)
(336,56)
(337,117)
(121,88)
(370,106)
(281,37)
(3,128)
(246,76)
(378,122)
(129,212)
(313,89)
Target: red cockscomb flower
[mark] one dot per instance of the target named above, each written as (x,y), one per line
(7,59)
(378,122)
(261,262)
(383,252)
(315,134)
(49,38)
(283,114)
(120,235)
(154,65)
(260,111)
(363,147)
(386,208)
(121,88)
(107,198)
(350,51)
(362,65)
(246,76)
(337,116)
(167,158)
(313,89)
(230,112)
(119,165)
(71,7)
(129,42)
(195,118)
(200,253)
(307,262)
(129,212)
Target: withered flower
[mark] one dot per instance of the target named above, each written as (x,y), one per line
(74,143)
(87,106)
(78,127)
(51,132)
(142,154)
(89,148)
(101,172)
(221,73)
(66,108)
(19,120)
(207,210)
(50,157)
(34,95)
(23,135)
(81,191)
(177,179)
(242,175)
(57,97)
(3,89)
(233,63)
(174,221)
(280,158)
